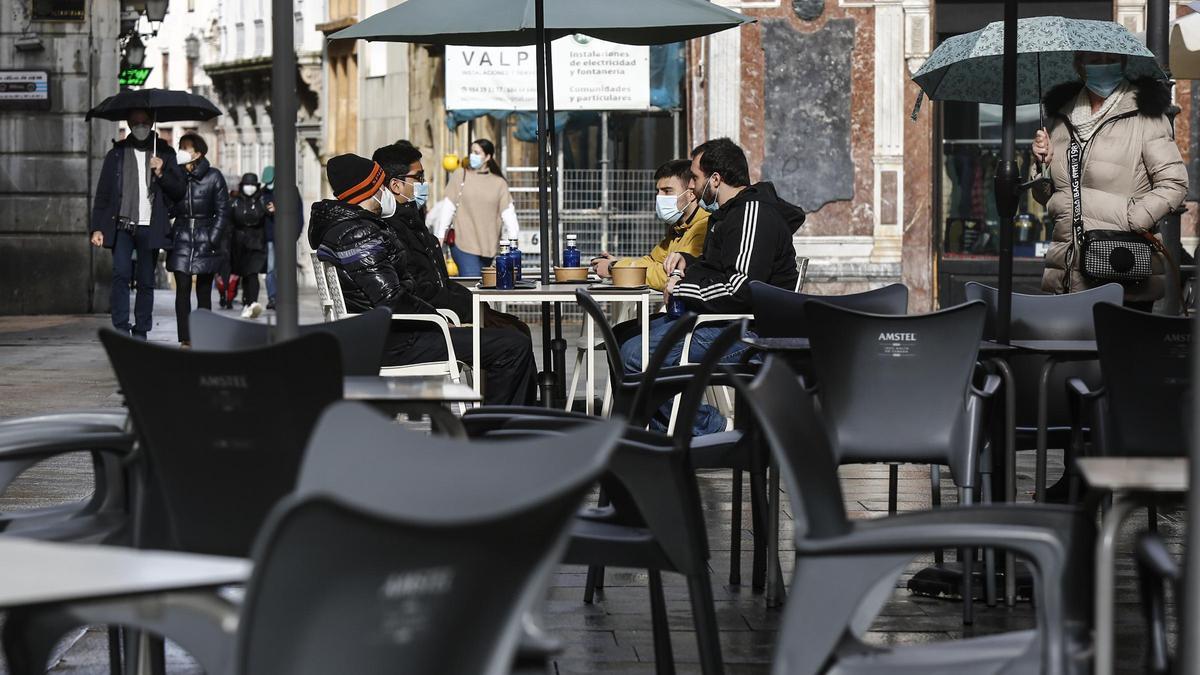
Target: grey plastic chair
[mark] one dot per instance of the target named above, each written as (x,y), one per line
(360,337)
(399,553)
(846,570)
(899,389)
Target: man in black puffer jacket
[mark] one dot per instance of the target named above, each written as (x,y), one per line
(349,233)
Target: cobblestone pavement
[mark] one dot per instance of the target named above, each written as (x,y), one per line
(56,363)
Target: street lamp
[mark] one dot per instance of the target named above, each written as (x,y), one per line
(156,10)
(192,47)
(129,20)
(135,51)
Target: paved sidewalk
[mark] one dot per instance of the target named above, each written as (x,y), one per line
(56,363)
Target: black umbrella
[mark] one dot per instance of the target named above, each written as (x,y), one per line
(167,105)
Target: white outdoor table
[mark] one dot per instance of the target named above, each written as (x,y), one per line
(1130,480)
(559,293)
(38,572)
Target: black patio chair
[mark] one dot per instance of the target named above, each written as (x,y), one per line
(653,520)
(637,396)
(398,553)
(1157,570)
(899,389)
(1142,407)
(221,434)
(361,337)
(1047,317)
(780,313)
(845,570)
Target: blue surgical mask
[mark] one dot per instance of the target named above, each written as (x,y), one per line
(1103,78)
(420,193)
(708,206)
(476,161)
(666,206)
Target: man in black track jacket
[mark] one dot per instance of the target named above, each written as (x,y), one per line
(749,239)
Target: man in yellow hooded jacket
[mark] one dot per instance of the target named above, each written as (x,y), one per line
(686,223)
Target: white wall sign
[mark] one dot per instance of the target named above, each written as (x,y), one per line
(589,74)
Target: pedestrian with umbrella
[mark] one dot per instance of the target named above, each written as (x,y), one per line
(1115,173)
(1016,62)
(138,183)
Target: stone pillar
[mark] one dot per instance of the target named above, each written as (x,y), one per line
(724,74)
(888,158)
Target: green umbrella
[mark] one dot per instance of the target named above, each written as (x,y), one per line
(499,23)
(968,68)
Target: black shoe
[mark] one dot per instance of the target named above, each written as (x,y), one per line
(139,335)
(270,304)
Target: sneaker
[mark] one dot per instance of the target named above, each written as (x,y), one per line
(252,311)
(271,304)
(139,335)
(184,344)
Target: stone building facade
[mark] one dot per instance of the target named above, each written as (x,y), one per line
(50,158)
(818,92)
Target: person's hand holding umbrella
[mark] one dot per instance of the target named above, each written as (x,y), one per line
(1043,152)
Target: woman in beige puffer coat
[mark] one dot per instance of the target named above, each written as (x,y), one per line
(1132,176)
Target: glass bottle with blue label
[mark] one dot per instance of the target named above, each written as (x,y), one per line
(675,308)
(514,254)
(503,263)
(570,253)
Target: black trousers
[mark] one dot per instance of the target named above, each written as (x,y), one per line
(183,301)
(249,289)
(509,370)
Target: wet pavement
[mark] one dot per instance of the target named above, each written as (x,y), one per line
(56,363)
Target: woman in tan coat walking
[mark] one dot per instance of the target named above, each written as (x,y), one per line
(1131,172)
(479,208)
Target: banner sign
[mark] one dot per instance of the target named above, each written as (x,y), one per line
(24,89)
(58,10)
(589,74)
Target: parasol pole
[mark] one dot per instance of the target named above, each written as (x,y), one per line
(1006,172)
(543,215)
(283,119)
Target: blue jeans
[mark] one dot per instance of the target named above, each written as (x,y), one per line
(124,271)
(469,264)
(708,419)
(270,271)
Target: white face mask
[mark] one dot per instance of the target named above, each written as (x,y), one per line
(387,202)
(667,208)
(140,131)
(183,157)
(249,190)
(476,161)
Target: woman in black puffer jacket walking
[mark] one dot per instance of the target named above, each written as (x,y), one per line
(201,221)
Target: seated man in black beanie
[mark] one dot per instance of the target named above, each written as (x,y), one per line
(402,169)
(348,233)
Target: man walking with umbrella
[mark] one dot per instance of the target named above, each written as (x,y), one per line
(139,181)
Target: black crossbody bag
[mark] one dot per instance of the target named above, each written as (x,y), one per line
(1104,255)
